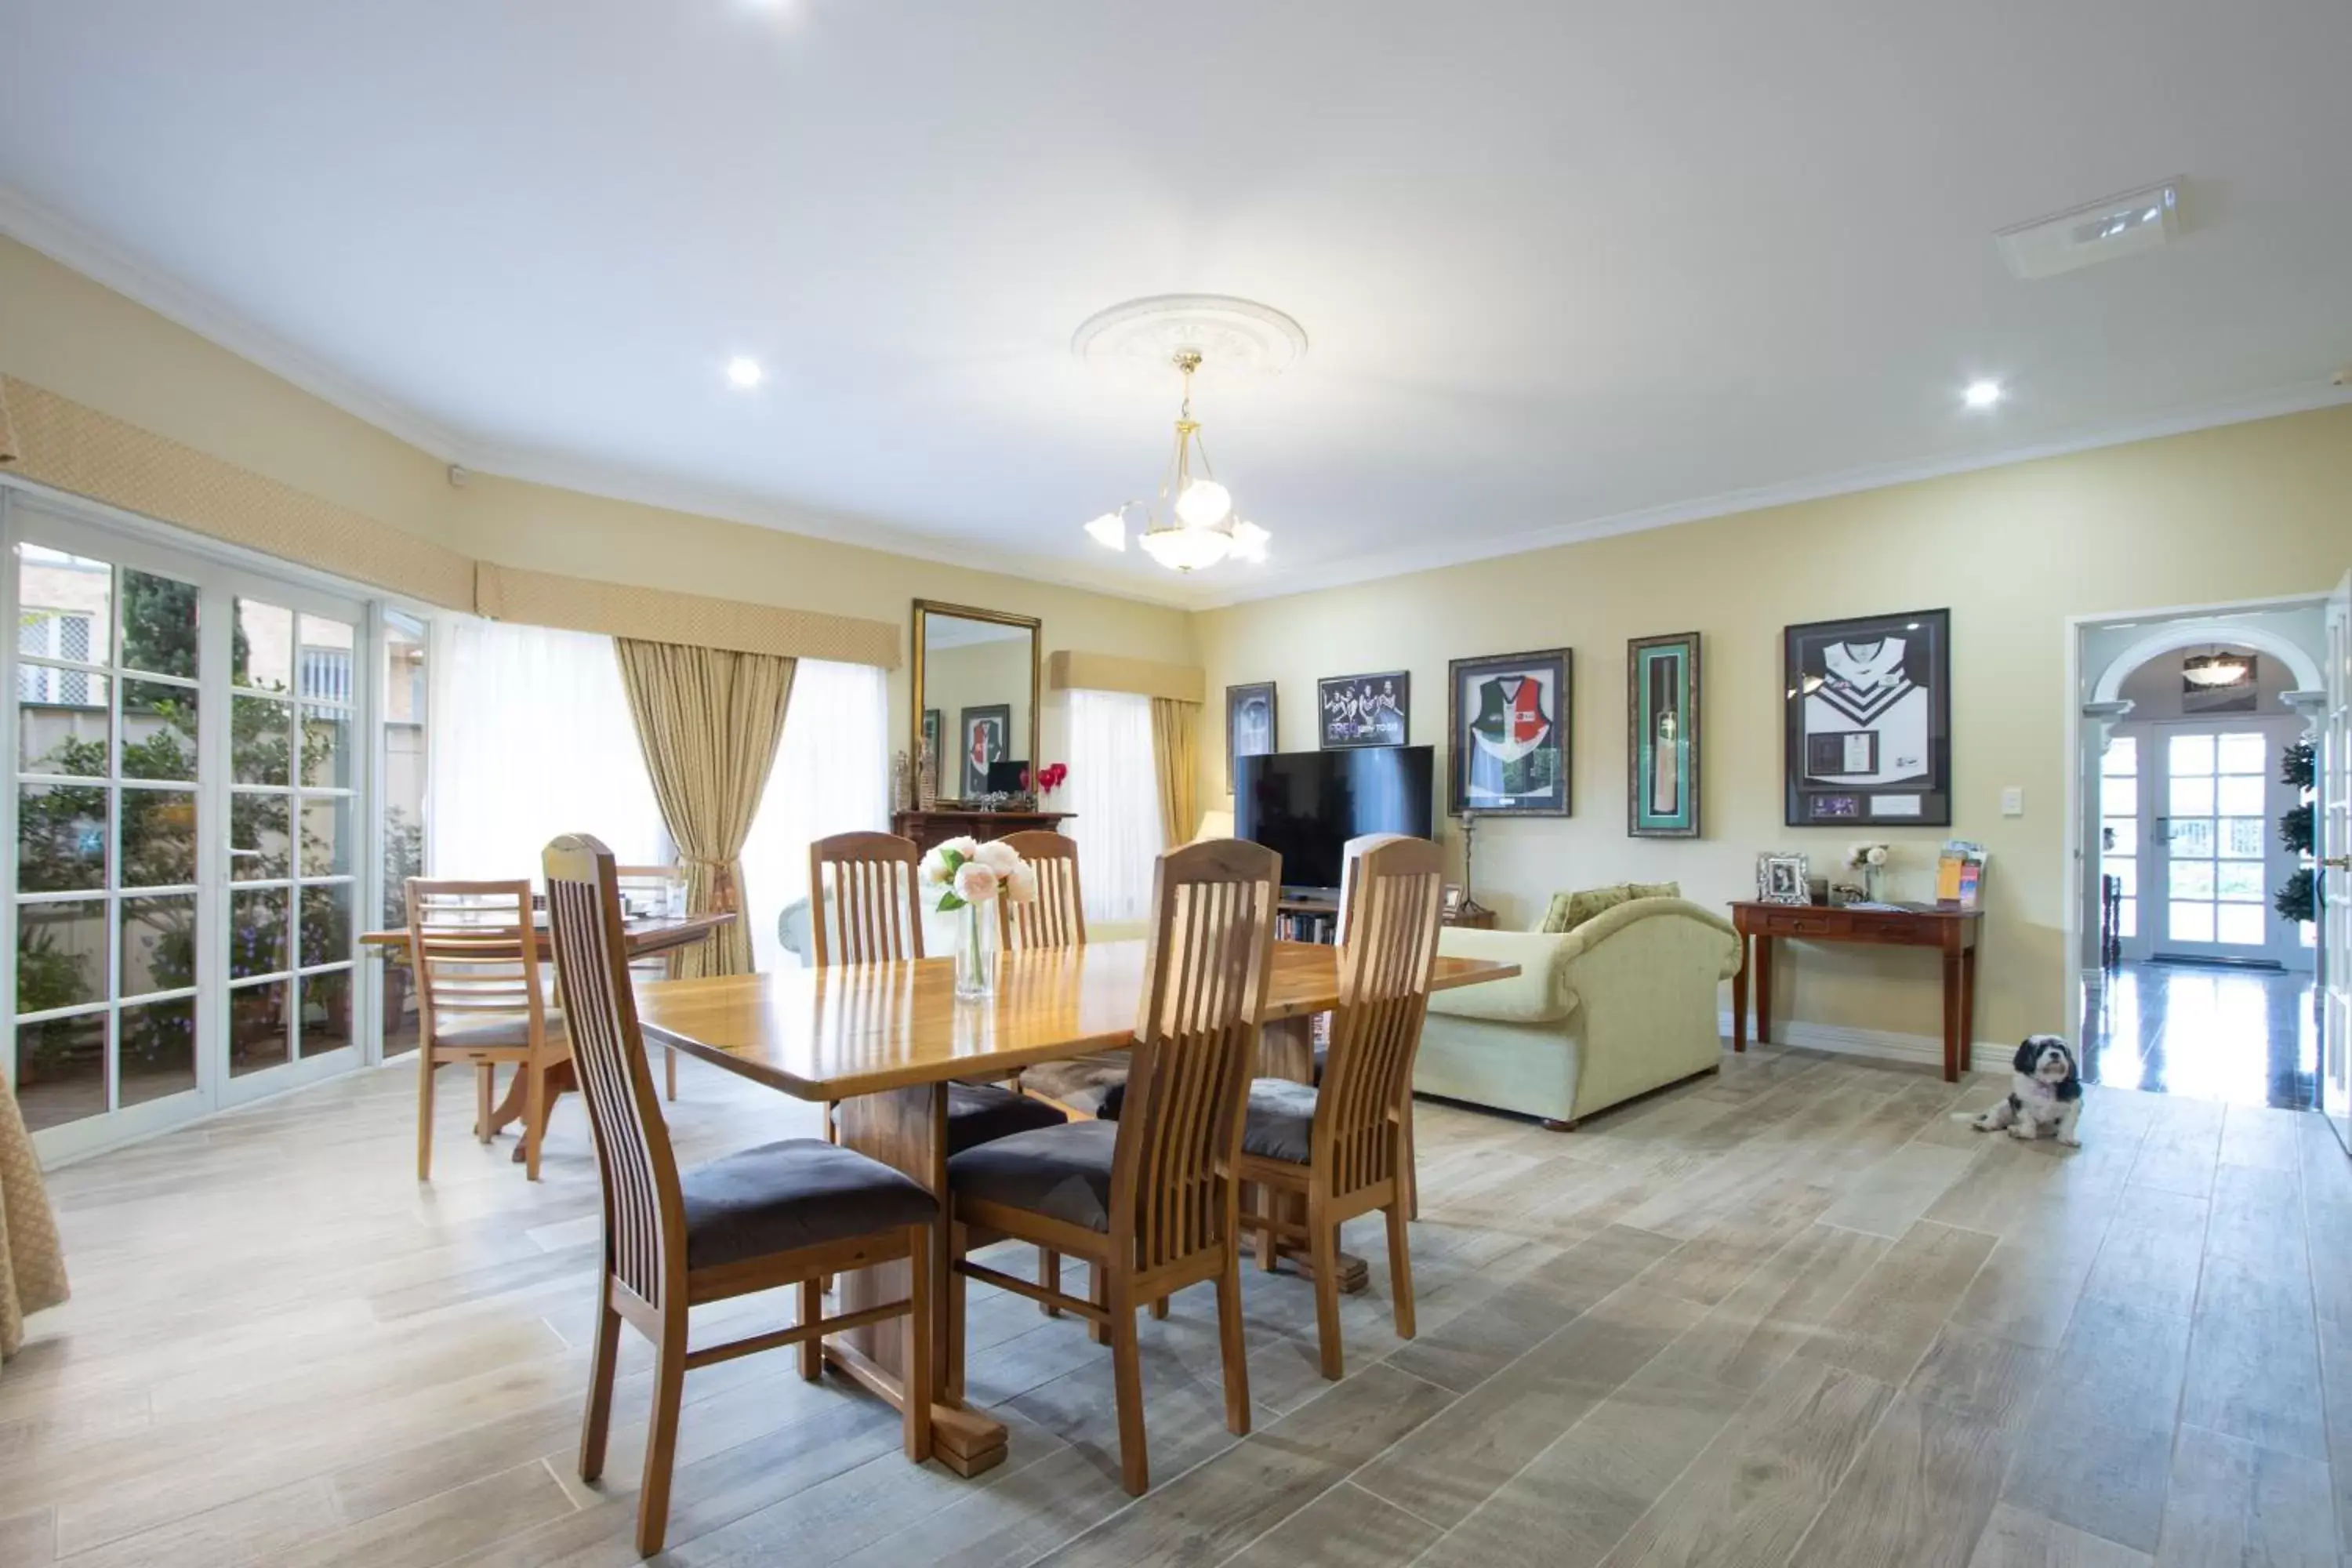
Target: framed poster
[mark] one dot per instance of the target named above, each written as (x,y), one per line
(1250,729)
(1868,731)
(932,738)
(1662,736)
(1365,710)
(1507,727)
(987,731)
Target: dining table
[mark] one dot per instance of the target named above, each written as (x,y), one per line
(882,1041)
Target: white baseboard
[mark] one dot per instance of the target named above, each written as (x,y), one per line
(1920,1051)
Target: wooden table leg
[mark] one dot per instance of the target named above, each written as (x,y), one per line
(1968,1006)
(1763,989)
(1740,998)
(906,1129)
(1287,1049)
(1951,1014)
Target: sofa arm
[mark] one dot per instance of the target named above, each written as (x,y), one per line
(1539,993)
(1589,936)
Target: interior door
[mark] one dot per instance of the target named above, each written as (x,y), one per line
(2332,825)
(2213,843)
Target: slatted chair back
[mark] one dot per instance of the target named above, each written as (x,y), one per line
(644,1216)
(1391,899)
(1196,1032)
(875,918)
(474,950)
(1055,916)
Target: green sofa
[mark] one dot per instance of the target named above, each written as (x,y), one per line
(1622,1005)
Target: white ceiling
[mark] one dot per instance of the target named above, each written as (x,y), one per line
(1565,268)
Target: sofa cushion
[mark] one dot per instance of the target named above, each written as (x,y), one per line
(1656,890)
(1537,993)
(1061,1171)
(792,1194)
(1570,910)
(1280,1121)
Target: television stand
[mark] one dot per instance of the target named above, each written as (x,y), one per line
(1306,915)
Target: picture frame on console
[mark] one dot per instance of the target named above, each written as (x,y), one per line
(1507,723)
(1783,880)
(1662,737)
(1868,722)
(1250,729)
(987,733)
(1364,710)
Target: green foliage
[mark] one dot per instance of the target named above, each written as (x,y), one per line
(2299,764)
(2298,900)
(2294,829)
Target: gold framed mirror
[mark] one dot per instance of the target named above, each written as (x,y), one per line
(978,682)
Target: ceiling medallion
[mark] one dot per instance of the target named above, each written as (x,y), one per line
(1194,524)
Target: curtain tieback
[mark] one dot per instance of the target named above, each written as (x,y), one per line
(723,895)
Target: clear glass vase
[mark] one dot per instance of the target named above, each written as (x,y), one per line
(975,954)
(1873,879)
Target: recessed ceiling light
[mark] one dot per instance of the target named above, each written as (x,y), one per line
(744,373)
(1981,393)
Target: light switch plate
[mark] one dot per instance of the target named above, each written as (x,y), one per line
(2012,802)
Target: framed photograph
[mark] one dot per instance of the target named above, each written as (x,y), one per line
(1250,729)
(987,733)
(1782,880)
(1868,731)
(1507,728)
(1365,710)
(932,738)
(1662,736)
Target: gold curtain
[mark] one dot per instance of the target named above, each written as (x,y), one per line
(709,720)
(32,1264)
(1172,756)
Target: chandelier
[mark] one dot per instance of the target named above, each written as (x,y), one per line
(2214,670)
(1194,525)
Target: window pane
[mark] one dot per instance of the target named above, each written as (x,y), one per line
(2242,836)
(60,837)
(2192,796)
(260,743)
(62,1070)
(65,605)
(326,924)
(404,709)
(257,932)
(262,657)
(2122,756)
(2125,870)
(158,731)
(2192,922)
(159,625)
(2191,754)
(327,759)
(2242,924)
(2241,796)
(158,1050)
(159,945)
(2192,840)
(325,671)
(257,1028)
(2120,835)
(60,954)
(261,844)
(2127,918)
(159,838)
(57,736)
(2238,879)
(2192,879)
(2119,797)
(327,846)
(2242,755)
(326,1012)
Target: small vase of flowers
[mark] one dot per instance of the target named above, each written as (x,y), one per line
(1870,859)
(970,876)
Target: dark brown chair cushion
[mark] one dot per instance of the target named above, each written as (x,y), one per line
(793,1194)
(981,1113)
(1280,1121)
(1061,1171)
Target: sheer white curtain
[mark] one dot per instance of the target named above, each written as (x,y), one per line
(531,738)
(1114,789)
(831,775)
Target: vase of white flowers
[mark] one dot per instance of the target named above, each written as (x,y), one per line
(970,876)
(1870,859)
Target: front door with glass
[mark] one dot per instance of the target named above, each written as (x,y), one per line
(2214,849)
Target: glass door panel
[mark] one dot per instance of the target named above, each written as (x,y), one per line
(2215,845)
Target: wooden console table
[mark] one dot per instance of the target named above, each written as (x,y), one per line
(931,827)
(1953,932)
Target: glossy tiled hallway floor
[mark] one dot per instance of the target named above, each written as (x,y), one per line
(1795,1314)
(2244,1035)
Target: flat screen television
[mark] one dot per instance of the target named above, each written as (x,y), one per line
(1305,806)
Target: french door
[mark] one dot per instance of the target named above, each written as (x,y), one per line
(2215,857)
(188,806)
(2333,868)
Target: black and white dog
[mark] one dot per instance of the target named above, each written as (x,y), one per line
(2043,1092)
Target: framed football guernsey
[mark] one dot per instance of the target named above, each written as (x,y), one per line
(1506,734)
(1869,721)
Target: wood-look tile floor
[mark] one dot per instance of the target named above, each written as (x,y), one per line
(1794,1314)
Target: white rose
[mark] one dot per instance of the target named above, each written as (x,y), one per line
(974,883)
(960,846)
(1878,854)
(934,869)
(997,857)
(1021,883)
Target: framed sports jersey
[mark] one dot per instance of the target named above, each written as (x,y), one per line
(1869,727)
(1662,736)
(1508,728)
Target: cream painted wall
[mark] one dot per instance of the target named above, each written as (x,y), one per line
(2244,512)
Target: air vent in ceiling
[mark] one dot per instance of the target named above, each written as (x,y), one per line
(2099,231)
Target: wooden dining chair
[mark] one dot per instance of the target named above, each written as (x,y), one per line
(652,883)
(1148,1200)
(1343,1148)
(1057,917)
(787,1212)
(482,1000)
